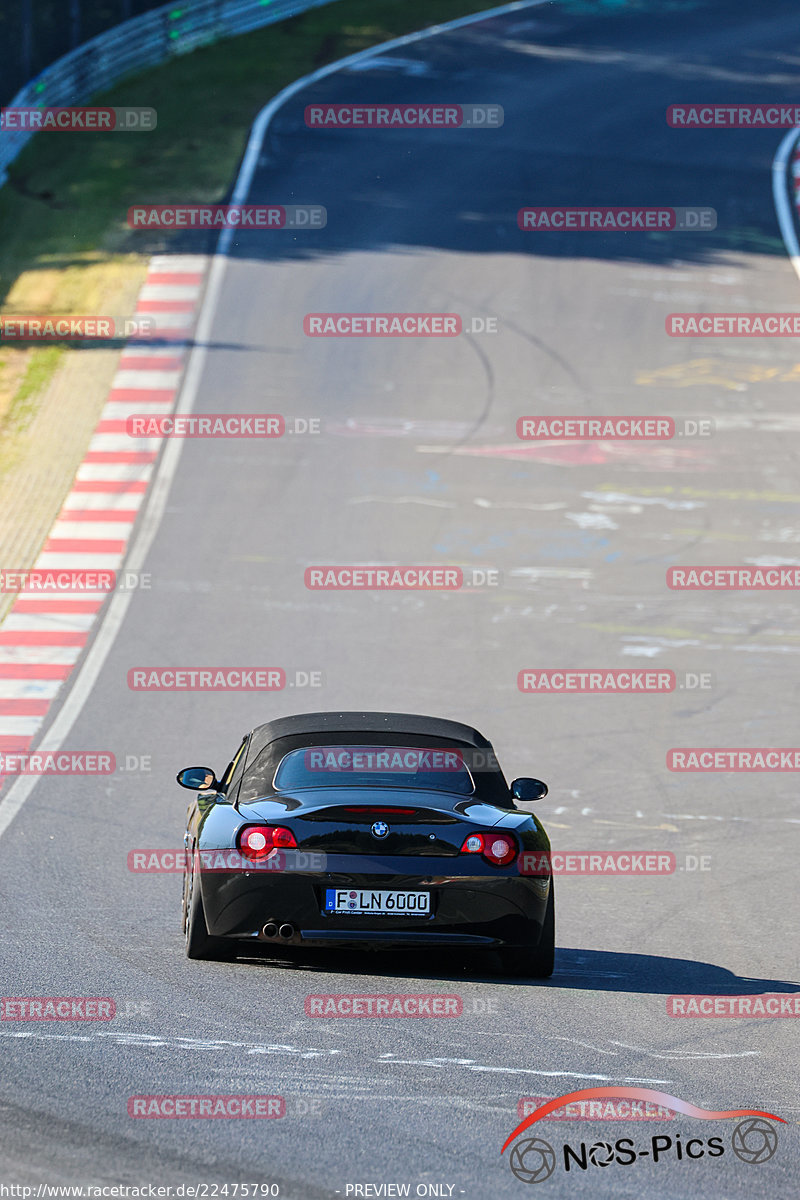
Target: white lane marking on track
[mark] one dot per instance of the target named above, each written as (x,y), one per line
(408,66)
(479,1067)
(592,520)
(533,574)
(686,1054)
(548,506)
(585,1045)
(772,560)
(680,817)
(760,649)
(153,1041)
(401,500)
(678,1055)
(658,643)
(626,498)
(748,820)
(86,679)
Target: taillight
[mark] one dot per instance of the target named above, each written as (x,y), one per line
(283,838)
(500,849)
(257,841)
(497,848)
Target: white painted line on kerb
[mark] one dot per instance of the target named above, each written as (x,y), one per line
(783,204)
(139,350)
(114,472)
(120,410)
(169,291)
(167,467)
(174,321)
(49,622)
(149,378)
(107,530)
(19,726)
(29,689)
(38,656)
(85,501)
(188,264)
(56,560)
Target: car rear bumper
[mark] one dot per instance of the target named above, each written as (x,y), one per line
(486,910)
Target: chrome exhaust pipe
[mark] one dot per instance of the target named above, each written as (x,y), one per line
(286,931)
(270,930)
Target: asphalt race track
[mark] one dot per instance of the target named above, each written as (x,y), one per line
(417,461)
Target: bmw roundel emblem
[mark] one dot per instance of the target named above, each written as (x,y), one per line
(380,829)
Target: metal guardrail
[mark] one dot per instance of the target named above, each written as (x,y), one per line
(146,41)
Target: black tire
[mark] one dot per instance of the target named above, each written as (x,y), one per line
(198,942)
(534,962)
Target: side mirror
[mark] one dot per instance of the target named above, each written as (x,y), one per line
(199,779)
(528,789)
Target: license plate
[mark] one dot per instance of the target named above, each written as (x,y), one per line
(392,904)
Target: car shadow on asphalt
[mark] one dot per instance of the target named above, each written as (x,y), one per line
(582,970)
(610,971)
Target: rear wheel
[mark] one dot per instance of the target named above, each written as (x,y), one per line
(198,941)
(534,962)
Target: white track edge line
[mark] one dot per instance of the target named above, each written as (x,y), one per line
(783,205)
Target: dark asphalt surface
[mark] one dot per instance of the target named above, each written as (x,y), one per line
(418,462)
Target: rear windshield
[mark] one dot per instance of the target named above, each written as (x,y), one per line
(429,769)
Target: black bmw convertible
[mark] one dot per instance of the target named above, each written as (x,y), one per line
(366,829)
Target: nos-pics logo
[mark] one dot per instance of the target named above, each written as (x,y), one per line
(533,1160)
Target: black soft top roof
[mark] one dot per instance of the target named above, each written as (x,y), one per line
(364,723)
(270,742)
